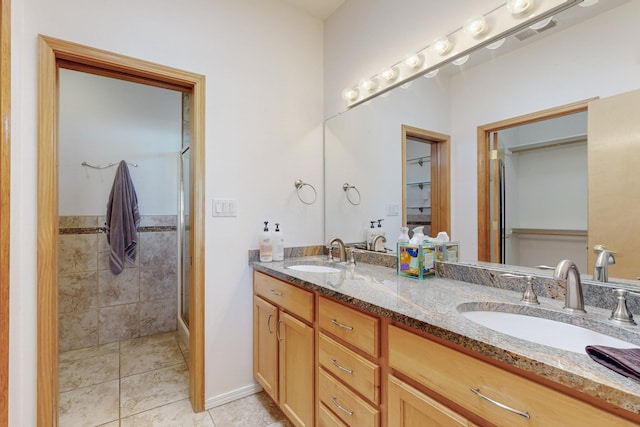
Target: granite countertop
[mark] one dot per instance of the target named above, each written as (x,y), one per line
(432,306)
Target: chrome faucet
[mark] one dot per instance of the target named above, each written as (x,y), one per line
(601,266)
(374,241)
(341,247)
(573,299)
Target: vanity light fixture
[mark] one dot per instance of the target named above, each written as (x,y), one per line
(414,61)
(488,31)
(432,74)
(476,27)
(350,94)
(460,60)
(541,24)
(520,8)
(495,45)
(443,46)
(390,74)
(369,85)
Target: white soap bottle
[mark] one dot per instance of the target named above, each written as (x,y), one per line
(379,244)
(278,244)
(404,235)
(266,245)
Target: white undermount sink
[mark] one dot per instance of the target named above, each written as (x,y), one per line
(314,268)
(543,331)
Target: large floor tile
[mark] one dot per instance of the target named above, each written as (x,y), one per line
(136,359)
(178,414)
(257,410)
(151,339)
(141,392)
(89,406)
(89,371)
(92,351)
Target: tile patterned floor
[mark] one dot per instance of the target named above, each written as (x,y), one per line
(144,382)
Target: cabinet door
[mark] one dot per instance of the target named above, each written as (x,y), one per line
(409,407)
(296,370)
(265,346)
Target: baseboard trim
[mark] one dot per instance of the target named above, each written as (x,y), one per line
(232,395)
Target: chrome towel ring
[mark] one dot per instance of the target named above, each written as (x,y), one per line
(299,184)
(346,187)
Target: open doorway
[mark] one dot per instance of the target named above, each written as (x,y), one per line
(56,54)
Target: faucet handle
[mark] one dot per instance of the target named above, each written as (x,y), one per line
(621,314)
(528,296)
(330,253)
(602,248)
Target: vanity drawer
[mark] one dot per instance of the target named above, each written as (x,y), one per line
(289,297)
(353,369)
(452,374)
(352,326)
(351,409)
(326,418)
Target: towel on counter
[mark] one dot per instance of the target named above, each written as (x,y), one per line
(123,220)
(625,361)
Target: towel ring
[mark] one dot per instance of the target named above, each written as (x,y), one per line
(299,184)
(346,187)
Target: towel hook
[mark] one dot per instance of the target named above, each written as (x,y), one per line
(135,165)
(346,187)
(299,184)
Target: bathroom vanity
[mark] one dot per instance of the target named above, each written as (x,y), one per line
(361,346)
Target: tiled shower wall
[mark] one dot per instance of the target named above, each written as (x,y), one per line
(97,307)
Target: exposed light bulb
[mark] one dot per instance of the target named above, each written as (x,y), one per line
(495,45)
(520,7)
(350,94)
(588,3)
(414,61)
(460,60)
(432,74)
(541,24)
(443,46)
(369,85)
(390,74)
(476,27)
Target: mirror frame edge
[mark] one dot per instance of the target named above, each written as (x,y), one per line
(483,181)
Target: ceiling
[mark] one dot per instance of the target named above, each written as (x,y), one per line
(319,8)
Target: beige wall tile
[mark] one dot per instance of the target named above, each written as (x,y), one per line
(121,289)
(118,323)
(78,291)
(78,252)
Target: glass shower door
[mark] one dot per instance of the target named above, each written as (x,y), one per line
(185,241)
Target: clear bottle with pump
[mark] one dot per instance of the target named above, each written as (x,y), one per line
(278,244)
(404,235)
(266,244)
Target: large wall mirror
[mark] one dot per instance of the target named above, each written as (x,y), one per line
(361,144)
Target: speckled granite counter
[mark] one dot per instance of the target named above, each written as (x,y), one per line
(433,306)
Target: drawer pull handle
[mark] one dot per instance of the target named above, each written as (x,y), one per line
(278,330)
(269,324)
(335,322)
(276,293)
(337,365)
(343,409)
(524,414)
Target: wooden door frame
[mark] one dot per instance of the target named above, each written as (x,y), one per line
(484,179)
(54,54)
(5,203)
(440,180)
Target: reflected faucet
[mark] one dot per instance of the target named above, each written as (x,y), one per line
(573,300)
(601,266)
(374,242)
(341,247)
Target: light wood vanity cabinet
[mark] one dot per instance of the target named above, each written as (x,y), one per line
(348,382)
(453,375)
(283,346)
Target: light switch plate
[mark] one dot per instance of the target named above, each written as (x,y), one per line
(393,210)
(225,207)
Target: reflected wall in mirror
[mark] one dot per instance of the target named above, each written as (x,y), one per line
(363,147)
(532,175)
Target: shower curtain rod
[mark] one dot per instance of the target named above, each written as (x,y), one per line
(135,165)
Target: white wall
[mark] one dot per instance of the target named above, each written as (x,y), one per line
(263,65)
(599,57)
(103,121)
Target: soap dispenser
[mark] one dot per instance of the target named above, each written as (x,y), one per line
(379,232)
(266,245)
(418,236)
(404,235)
(278,244)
